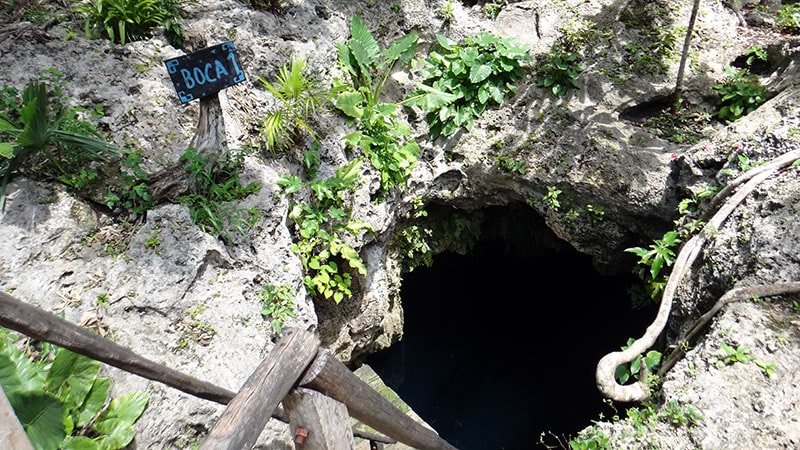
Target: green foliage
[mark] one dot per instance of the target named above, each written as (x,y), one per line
(42,134)
(368,66)
(458,82)
(413,241)
(134,193)
(551,198)
(446,11)
(559,71)
(322,226)
(733,355)
(768,368)
(789,17)
(492,9)
(632,370)
(739,94)
(679,415)
(387,144)
(590,439)
(653,259)
(383,139)
(277,305)
(124,21)
(212,205)
(61,401)
(679,124)
(300,96)
(508,165)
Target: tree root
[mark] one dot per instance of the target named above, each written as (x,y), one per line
(639,391)
(734,295)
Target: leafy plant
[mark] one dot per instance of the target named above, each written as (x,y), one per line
(679,415)
(134,193)
(300,96)
(368,67)
(212,205)
(767,368)
(590,439)
(508,165)
(61,401)
(132,20)
(739,94)
(458,82)
(789,17)
(631,370)
(653,259)
(733,355)
(47,135)
(277,303)
(551,198)
(322,226)
(492,9)
(383,139)
(446,11)
(560,70)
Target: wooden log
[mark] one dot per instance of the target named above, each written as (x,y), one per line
(246,415)
(47,327)
(12,435)
(329,376)
(325,421)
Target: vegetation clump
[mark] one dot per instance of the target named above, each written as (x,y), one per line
(459,82)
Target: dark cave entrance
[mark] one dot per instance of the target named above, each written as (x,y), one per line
(501,344)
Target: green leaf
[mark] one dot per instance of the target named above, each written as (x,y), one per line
(350,103)
(431,99)
(42,415)
(78,443)
(71,376)
(363,45)
(479,73)
(94,401)
(115,424)
(402,50)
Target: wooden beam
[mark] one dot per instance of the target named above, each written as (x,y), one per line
(317,421)
(12,435)
(47,327)
(329,376)
(246,415)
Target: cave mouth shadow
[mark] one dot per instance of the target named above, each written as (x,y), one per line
(501,345)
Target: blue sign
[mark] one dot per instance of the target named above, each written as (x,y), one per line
(205,72)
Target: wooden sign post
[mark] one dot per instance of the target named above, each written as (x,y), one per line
(205,72)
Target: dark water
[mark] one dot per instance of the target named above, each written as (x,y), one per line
(498,348)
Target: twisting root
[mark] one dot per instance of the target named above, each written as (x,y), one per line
(639,391)
(734,295)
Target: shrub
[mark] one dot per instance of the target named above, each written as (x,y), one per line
(560,72)
(299,96)
(39,132)
(132,20)
(458,82)
(739,94)
(61,401)
(383,139)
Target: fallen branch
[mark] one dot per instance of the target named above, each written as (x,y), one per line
(639,391)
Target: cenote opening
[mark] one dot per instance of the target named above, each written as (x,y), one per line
(501,343)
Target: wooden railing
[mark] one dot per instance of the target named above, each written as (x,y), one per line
(317,391)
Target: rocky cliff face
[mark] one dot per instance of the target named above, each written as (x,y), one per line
(61,254)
